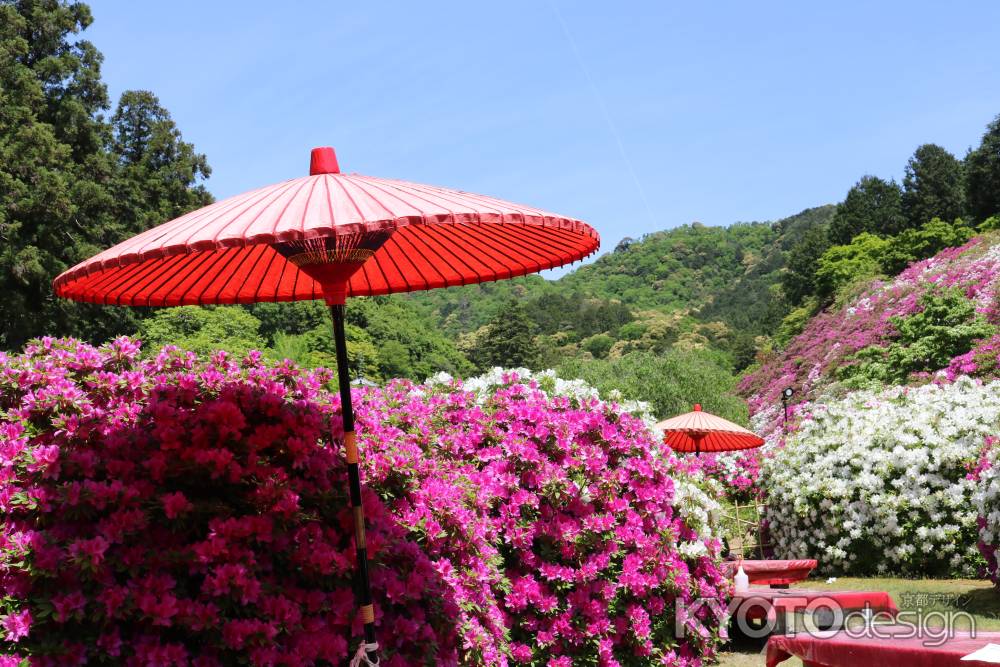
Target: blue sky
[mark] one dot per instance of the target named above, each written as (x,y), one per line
(633,116)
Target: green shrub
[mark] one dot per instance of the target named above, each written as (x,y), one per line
(945,327)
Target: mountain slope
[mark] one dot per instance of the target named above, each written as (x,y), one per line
(705,275)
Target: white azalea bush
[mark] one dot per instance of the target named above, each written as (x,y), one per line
(878,482)
(549,382)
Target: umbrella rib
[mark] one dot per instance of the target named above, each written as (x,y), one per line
(392,189)
(305,209)
(497,242)
(225,206)
(479,235)
(264,202)
(168,282)
(447,194)
(440,193)
(525,248)
(525,210)
(127,275)
(211,271)
(277,220)
(267,271)
(392,257)
(141,282)
(167,263)
(517,234)
(364,274)
(475,239)
(277,285)
(92,290)
(378,258)
(258,251)
(519,209)
(361,216)
(329,208)
(434,248)
(413,244)
(363,183)
(444,239)
(241,257)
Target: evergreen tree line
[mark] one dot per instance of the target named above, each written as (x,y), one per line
(77,174)
(883,225)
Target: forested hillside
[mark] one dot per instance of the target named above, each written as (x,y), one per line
(694,285)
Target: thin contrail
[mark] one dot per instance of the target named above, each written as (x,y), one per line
(607,114)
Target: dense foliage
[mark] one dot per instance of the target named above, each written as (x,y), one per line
(73,181)
(177,511)
(876,482)
(671,382)
(385,337)
(982,172)
(946,325)
(933,186)
(508,340)
(708,287)
(873,205)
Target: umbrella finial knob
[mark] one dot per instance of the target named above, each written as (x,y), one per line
(697,407)
(323,161)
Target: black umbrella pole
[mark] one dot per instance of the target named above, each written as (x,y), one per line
(354,478)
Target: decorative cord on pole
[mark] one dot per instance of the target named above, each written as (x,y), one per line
(361,657)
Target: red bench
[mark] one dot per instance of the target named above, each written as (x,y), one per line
(772,572)
(786,609)
(883,645)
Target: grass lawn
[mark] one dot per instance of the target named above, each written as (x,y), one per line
(973,596)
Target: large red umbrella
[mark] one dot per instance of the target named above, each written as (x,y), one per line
(699,431)
(328,236)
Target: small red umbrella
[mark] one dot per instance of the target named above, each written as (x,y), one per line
(328,236)
(699,431)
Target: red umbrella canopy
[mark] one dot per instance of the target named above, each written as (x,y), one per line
(328,235)
(700,431)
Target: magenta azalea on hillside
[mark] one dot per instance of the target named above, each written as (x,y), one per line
(810,362)
(173,511)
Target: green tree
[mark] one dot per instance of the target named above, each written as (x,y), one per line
(598,345)
(202,330)
(799,279)
(982,170)
(65,191)
(509,340)
(933,186)
(873,205)
(843,265)
(925,241)
(672,382)
(158,176)
(387,337)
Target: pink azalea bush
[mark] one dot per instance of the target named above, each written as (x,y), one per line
(176,511)
(983,361)
(737,474)
(986,475)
